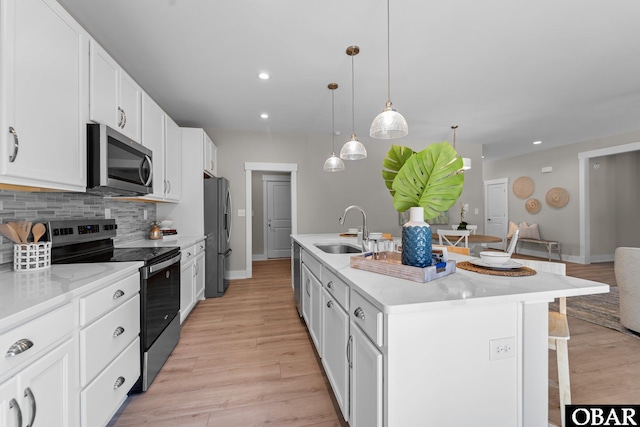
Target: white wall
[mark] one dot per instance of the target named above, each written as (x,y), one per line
(322,196)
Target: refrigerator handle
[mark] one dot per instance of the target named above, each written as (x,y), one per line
(228,215)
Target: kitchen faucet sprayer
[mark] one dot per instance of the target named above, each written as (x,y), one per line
(365,232)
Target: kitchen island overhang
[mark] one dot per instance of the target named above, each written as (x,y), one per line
(438,341)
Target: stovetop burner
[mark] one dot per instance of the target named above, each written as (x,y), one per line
(91,240)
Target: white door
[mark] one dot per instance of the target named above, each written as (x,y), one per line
(278,219)
(496,215)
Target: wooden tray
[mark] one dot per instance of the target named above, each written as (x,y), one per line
(392,266)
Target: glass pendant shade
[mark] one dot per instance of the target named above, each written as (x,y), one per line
(333,163)
(389,124)
(353,149)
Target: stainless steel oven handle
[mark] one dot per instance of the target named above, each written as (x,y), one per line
(164,264)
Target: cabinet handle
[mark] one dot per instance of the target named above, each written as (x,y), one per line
(308,287)
(16,145)
(19,347)
(359,313)
(119,331)
(349,350)
(330,285)
(169,184)
(124,122)
(330,304)
(118,383)
(29,394)
(118,294)
(14,404)
(120,119)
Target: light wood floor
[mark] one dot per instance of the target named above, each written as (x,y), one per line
(246,359)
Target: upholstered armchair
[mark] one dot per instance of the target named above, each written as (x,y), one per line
(627,270)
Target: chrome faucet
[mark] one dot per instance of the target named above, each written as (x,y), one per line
(365,232)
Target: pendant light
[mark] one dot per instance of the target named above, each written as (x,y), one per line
(466,161)
(389,124)
(333,163)
(353,149)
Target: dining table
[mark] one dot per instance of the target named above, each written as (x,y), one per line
(475,241)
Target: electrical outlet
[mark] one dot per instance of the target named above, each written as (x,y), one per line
(145,214)
(107,213)
(241,212)
(503,348)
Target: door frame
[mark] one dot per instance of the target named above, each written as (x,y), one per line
(249,167)
(505,226)
(265,217)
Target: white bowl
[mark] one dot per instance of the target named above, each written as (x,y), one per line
(165,223)
(494,258)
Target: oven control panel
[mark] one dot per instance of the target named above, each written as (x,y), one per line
(65,232)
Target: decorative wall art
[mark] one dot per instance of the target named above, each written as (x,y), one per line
(557,197)
(523,187)
(533,205)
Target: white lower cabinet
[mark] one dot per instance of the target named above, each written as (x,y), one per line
(335,338)
(199,269)
(366,381)
(187,282)
(44,394)
(311,305)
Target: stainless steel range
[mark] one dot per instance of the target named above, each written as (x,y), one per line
(91,240)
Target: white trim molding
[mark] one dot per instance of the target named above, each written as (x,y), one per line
(249,167)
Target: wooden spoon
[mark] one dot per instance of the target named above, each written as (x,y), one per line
(38,231)
(16,230)
(9,233)
(24,229)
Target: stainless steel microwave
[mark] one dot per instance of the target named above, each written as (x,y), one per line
(117,165)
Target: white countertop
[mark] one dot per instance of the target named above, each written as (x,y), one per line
(182,241)
(26,294)
(392,294)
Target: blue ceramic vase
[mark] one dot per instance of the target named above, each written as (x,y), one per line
(416,240)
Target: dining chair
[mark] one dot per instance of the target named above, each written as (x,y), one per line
(457,250)
(453,237)
(472,228)
(558,331)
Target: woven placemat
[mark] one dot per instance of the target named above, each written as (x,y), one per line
(516,272)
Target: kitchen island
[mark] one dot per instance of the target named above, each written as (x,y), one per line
(465,349)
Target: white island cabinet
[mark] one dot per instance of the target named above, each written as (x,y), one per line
(43,97)
(433,353)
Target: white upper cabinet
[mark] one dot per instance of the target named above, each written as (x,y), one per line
(153,138)
(43,96)
(115,99)
(173,160)
(209,157)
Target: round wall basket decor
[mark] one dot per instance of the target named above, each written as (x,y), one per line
(523,187)
(557,197)
(533,206)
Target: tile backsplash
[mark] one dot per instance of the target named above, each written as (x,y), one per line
(40,207)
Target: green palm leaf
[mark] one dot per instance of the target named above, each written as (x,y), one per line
(429,179)
(396,158)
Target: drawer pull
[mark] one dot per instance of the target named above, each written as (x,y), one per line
(28,393)
(330,285)
(359,313)
(14,404)
(330,304)
(18,347)
(119,331)
(118,294)
(118,383)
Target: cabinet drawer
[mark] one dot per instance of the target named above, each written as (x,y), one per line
(102,398)
(98,303)
(188,254)
(368,317)
(336,287)
(199,248)
(312,264)
(35,336)
(104,339)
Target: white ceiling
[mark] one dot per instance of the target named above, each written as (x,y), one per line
(508,72)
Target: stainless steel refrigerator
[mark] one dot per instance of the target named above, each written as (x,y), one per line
(217,228)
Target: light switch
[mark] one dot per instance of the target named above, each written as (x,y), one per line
(476,211)
(241,212)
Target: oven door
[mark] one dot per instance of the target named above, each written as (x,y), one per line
(160,298)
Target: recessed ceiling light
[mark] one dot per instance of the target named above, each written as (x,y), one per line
(263,76)
(264,115)
(537,142)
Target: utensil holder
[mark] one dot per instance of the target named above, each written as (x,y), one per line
(31,256)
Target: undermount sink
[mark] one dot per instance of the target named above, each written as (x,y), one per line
(338,248)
